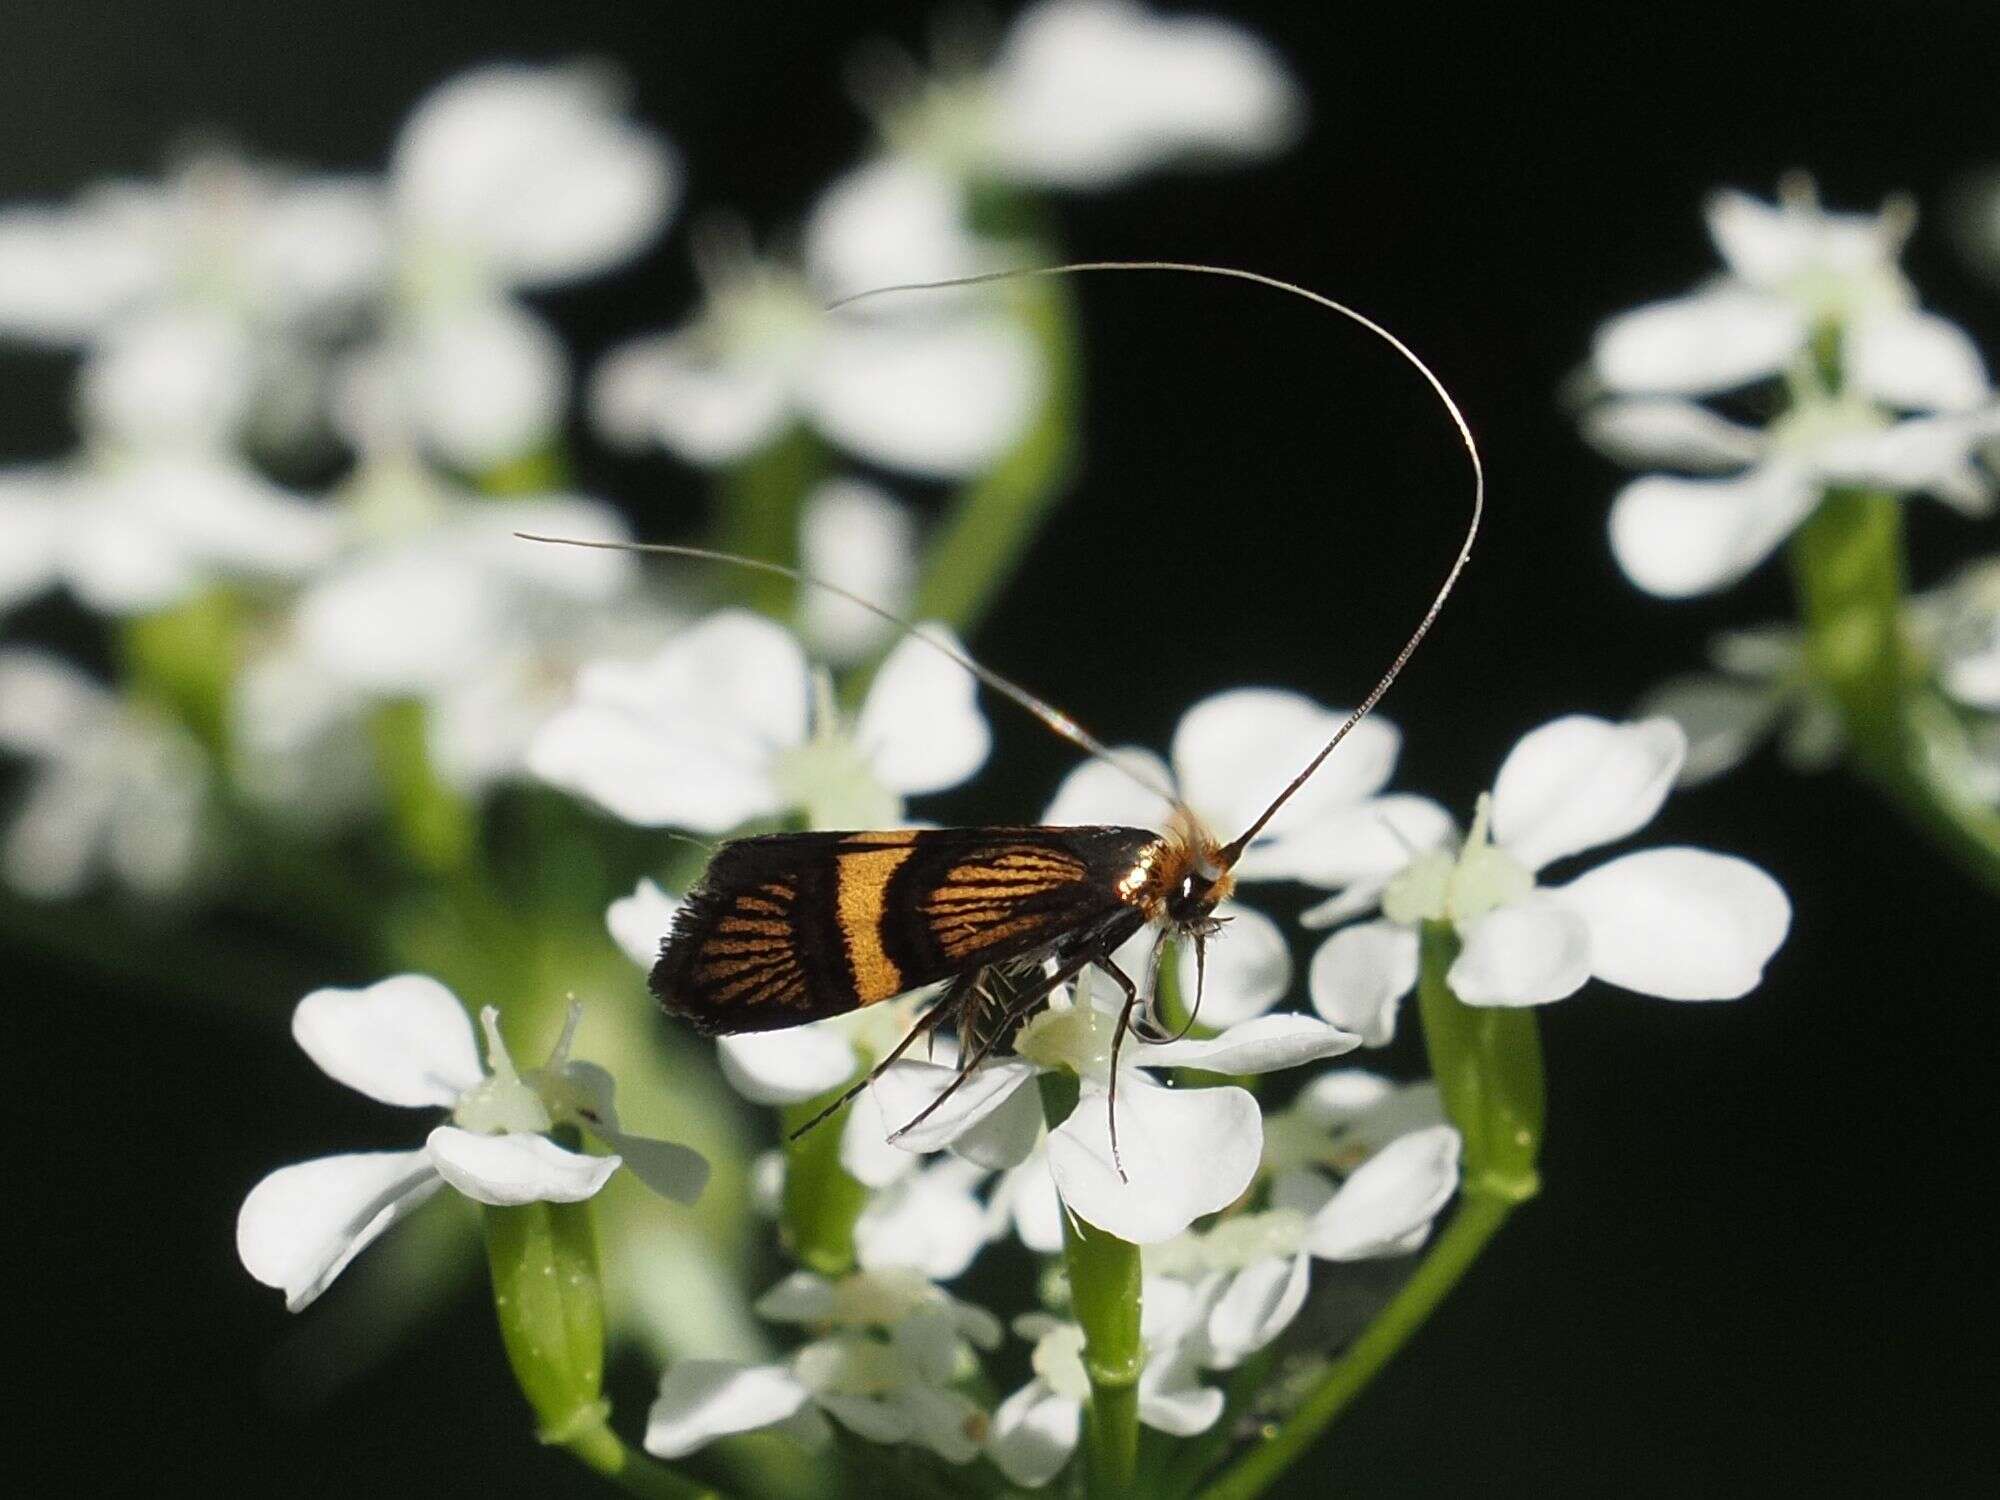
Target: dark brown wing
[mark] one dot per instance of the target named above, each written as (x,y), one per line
(791,927)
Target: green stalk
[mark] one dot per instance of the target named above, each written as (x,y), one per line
(996,515)
(1848,569)
(549,1301)
(184,659)
(1488,1065)
(758,503)
(822,1202)
(1104,1282)
(435,826)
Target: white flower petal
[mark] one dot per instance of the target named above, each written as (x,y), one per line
(1259,1303)
(639,923)
(1387,1206)
(667,1167)
(1645,433)
(1683,924)
(301,1225)
(1263,1044)
(508,1170)
(908,1088)
(862,539)
(1580,781)
(485,384)
(176,375)
(1034,1432)
(1087,93)
(929,1221)
(1724,719)
(895,220)
(1359,977)
(789,1066)
(877,1418)
(534,169)
(1249,968)
(1234,751)
(1713,340)
(1915,361)
(66,272)
(47,704)
(1679,537)
(1098,792)
(866,1152)
(920,726)
(801,1297)
(31,533)
(1931,455)
(701,1400)
(1528,953)
(404,1040)
(666,389)
(1365,843)
(1027,1198)
(1186,1153)
(1172,1398)
(1004,1137)
(935,399)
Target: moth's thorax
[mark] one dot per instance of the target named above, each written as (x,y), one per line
(1179,878)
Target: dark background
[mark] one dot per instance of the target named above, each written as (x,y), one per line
(1757,1261)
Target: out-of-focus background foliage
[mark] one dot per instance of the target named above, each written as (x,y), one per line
(1753,1262)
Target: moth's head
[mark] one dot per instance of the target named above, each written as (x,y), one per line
(1200,877)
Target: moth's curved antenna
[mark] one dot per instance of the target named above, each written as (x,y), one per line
(1233,851)
(1047,712)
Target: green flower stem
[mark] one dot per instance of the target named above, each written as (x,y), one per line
(184,659)
(1451,1255)
(758,503)
(1488,1065)
(996,515)
(821,1200)
(435,826)
(1848,568)
(1104,1283)
(549,1301)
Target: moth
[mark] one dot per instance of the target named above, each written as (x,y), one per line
(789,928)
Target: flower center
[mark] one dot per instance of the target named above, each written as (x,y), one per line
(1443,886)
(1076,1037)
(830,776)
(1058,1359)
(506,1102)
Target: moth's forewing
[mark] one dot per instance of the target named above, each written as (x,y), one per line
(792,927)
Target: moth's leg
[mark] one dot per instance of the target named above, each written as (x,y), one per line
(1035,994)
(1131,1006)
(925,1025)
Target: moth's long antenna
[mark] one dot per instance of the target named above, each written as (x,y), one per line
(1234,850)
(1048,713)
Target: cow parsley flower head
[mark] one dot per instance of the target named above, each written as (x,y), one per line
(728,723)
(407,1041)
(1682,924)
(114,789)
(1818,299)
(1092,93)
(891,1348)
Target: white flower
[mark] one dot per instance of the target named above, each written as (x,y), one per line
(893,1347)
(1360,1168)
(1035,1430)
(1092,93)
(531,174)
(1796,274)
(725,724)
(1184,1152)
(859,537)
(1681,924)
(407,1041)
(1760,687)
(139,534)
(1793,270)
(935,385)
(115,789)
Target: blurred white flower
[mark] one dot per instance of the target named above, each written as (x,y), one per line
(1035,1430)
(1796,275)
(1360,1168)
(932,384)
(1760,687)
(727,724)
(1185,1152)
(860,537)
(1678,923)
(407,1041)
(114,789)
(893,1346)
(126,537)
(1092,93)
